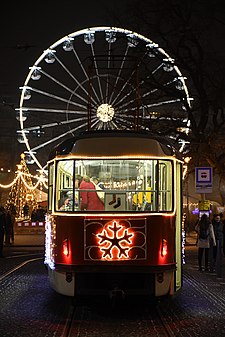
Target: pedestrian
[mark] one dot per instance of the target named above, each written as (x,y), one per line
(217,250)
(26,210)
(8,227)
(2,229)
(12,209)
(89,198)
(223,222)
(40,214)
(205,233)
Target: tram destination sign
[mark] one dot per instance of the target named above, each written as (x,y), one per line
(203,179)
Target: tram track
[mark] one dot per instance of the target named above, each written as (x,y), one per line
(17,267)
(81,318)
(207,293)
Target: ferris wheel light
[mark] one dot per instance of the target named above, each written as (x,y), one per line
(168,67)
(132,40)
(26,92)
(68,44)
(152,49)
(21,135)
(110,36)
(168,64)
(180,82)
(23,116)
(179,85)
(89,38)
(28,157)
(36,75)
(50,57)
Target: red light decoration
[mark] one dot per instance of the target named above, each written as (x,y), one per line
(66,247)
(164,250)
(115,241)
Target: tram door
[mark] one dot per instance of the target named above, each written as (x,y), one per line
(178,233)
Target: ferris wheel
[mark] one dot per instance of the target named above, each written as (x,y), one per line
(100,78)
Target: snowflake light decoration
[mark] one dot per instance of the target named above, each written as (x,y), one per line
(115,241)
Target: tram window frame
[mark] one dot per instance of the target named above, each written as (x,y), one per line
(64,192)
(50,185)
(159,199)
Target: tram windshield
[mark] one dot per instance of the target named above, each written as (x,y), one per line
(113,185)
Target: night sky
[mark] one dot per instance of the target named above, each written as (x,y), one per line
(29,28)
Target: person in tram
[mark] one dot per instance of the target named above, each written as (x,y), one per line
(89,197)
(66,205)
(78,180)
(99,186)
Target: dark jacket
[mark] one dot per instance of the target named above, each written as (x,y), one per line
(218,230)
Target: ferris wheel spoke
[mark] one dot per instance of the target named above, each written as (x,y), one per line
(51,125)
(119,73)
(45,93)
(85,73)
(120,93)
(57,138)
(114,125)
(97,73)
(126,83)
(65,87)
(74,78)
(147,94)
(108,66)
(163,103)
(54,111)
(126,104)
(96,123)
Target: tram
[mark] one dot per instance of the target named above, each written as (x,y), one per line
(131,239)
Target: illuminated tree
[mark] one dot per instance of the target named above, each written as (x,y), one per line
(22,191)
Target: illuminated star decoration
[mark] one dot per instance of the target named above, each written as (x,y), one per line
(115,241)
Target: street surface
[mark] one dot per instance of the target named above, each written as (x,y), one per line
(29,307)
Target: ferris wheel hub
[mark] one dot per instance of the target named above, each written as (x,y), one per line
(105,112)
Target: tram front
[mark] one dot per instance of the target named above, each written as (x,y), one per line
(115,213)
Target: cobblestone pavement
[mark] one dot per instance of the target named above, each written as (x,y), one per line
(29,307)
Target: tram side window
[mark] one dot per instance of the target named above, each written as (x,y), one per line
(64,185)
(50,186)
(165,185)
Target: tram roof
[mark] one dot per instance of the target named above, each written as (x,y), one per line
(105,143)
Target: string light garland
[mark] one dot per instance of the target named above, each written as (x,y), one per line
(22,197)
(41,180)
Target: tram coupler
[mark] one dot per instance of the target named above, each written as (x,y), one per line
(117,294)
(69,277)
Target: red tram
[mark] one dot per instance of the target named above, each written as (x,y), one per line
(131,239)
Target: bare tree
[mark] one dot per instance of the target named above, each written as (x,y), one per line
(192,31)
